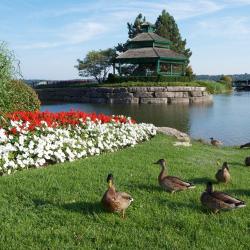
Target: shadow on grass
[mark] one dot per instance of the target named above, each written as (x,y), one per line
(239,191)
(148,187)
(236,163)
(175,205)
(83,207)
(202,180)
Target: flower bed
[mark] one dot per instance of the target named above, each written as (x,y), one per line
(34,139)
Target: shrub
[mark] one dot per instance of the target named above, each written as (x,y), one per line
(16,95)
(227,80)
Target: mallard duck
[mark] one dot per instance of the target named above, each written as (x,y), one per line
(247,145)
(215,142)
(115,201)
(247,161)
(217,201)
(223,174)
(171,183)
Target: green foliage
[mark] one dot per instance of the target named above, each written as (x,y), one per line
(8,70)
(14,94)
(227,80)
(189,73)
(96,64)
(58,207)
(167,27)
(135,28)
(215,87)
(18,96)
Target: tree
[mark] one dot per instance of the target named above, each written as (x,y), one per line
(96,64)
(227,80)
(133,30)
(9,66)
(189,72)
(166,27)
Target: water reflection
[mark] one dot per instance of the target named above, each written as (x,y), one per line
(227,118)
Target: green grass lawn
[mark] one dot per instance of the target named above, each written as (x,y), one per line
(58,207)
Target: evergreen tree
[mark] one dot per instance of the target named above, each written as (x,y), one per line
(133,30)
(166,27)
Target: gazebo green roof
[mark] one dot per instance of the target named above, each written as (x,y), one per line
(150,36)
(153,53)
(149,48)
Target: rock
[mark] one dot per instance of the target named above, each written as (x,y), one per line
(174,132)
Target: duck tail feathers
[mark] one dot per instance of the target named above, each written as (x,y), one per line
(240,204)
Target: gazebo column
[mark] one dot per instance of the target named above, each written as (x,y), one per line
(157,66)
(182,69)
(114,68)
(120,69)
(171,69)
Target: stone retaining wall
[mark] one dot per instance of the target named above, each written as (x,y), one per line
(145,95)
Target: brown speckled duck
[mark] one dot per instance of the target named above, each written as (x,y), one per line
(115,201)
(171,183)
(215,142)
(223,174)
(216,201)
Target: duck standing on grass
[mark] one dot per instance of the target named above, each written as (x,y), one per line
(171,183)
(223,174)
(215,142)
(216,201)
(246,145)
(115,201)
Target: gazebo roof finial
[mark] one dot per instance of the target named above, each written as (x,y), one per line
(147,27)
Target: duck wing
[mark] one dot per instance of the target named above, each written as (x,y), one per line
(180,182)
(121,200)
(228,199)
(175,183)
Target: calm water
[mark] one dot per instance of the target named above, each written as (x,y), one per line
(227,118)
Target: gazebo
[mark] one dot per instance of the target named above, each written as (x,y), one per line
(152,52)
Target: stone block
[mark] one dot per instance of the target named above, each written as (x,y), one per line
(203,99)
(98,100)
(105,90)
(195,93)
(120,90)
(179,100)
(154,100)
(122,100)
(121,95)
(156,89)
(143,94)
(137,89)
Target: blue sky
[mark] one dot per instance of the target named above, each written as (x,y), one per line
(48,36)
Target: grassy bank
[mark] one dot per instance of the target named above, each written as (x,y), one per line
(59,207)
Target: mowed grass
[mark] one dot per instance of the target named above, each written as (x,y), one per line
(58,207)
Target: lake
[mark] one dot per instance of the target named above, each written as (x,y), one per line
(227,118)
